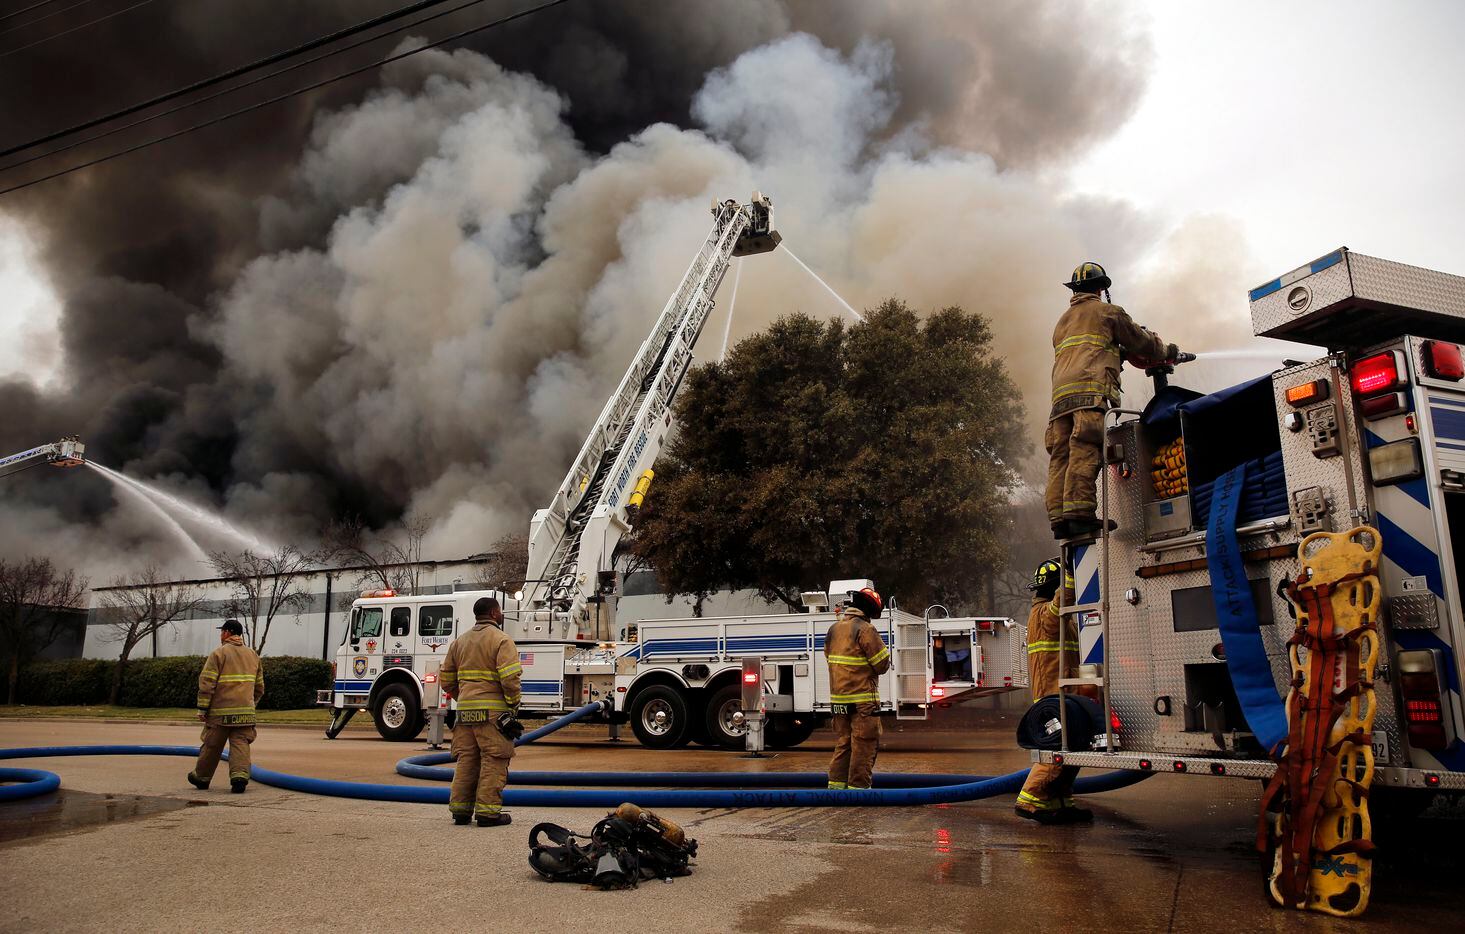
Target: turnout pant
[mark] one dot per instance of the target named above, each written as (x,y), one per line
(1075,451)
(481,755)
(1052,653)
(856,744)
(212,740)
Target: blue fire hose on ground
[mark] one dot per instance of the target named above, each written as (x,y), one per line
(697,789)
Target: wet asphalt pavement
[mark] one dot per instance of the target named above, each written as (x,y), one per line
(128,845)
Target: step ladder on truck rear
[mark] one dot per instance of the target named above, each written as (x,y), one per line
(1196,637)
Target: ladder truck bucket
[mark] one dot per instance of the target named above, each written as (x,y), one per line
(759,236)
(69,453)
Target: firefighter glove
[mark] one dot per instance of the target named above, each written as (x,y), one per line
(510,727)
(1172,353)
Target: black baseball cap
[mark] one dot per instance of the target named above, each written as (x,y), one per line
(233,627)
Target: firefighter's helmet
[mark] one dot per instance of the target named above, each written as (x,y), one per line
(1088,277)
(1046,578)
(867,601)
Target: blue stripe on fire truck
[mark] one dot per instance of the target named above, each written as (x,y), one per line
(1448,422)
(353,686)
(1412,557)
(540,687)
(1301,272)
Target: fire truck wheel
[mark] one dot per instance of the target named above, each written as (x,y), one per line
(722,704)
(786,732)
(659,717)
(398,715)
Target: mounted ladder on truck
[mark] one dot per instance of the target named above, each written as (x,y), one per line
(572,541)
(1295,597)
(68,452)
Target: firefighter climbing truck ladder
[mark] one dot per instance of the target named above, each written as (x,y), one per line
(1284,584)
(679,679)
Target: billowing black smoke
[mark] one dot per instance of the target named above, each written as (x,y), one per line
(410,291)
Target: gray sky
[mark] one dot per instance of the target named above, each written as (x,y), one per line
(1308,124)
(1314,124)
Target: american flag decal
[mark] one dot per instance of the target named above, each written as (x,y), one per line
(526,658)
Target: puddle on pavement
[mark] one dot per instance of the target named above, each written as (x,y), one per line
(66,811)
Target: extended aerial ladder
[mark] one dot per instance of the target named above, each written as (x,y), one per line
(572,541)
(68,452)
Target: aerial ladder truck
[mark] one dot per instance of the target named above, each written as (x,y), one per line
(68,452)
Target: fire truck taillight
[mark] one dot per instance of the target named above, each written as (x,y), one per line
(1424,709)
(938,691)
(1115,723)
(1380,373)
(430,678)
(750,677)
(1396,462)
(1442,360)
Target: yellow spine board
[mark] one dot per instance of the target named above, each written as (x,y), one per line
(1340,570)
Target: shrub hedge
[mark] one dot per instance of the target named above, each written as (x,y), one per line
(290,682)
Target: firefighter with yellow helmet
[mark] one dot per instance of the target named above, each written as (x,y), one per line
(481,671)
(857,657)
(1090,343)
(1052,654)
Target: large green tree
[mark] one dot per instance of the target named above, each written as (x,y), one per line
(815,452)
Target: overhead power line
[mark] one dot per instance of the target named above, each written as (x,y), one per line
(501,21)
(295,66)
(67,32)
(38,19)
(33,6)
(268,60)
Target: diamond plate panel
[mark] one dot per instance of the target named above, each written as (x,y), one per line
(1272,315)
(1383,280)
(1413,611)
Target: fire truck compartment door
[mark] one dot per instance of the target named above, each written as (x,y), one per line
(910,660)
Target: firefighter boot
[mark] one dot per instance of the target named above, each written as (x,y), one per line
(1046,817)
(1069,814)
(462,820)
(495,820)
(1086,528)
(197,782)
(237,785)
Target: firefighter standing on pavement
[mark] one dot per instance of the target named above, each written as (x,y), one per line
(1089,345)
(857,658)
(229,687)
(481,671)
(1052,654)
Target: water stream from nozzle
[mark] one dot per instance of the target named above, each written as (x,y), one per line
(827,287)
(171,507)
(133,489)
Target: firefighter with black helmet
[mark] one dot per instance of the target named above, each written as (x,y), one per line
(857,657)
(1052,654)
(481,671)
(1090,343)
(229,687)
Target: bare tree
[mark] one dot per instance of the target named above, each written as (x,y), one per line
(390,560)
(31,593)
(264,586)
(507,561)
(137,607)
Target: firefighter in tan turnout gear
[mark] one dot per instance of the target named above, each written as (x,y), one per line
(1052,654)
(857,658)
(1090,344)
(481,672)
(229,687)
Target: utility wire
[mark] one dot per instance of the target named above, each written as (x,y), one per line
(503,20)
(67,32)
(231,73)
(214,96)
(33,6)
(32,22)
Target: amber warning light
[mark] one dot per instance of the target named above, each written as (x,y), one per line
(1308,393)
